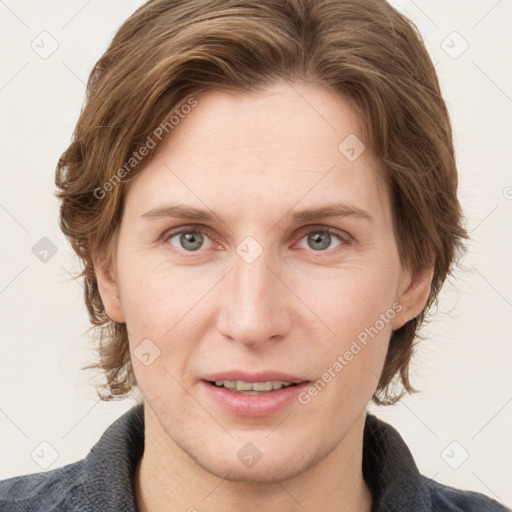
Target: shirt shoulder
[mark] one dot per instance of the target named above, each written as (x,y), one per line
(449,499)
(398,486)
(102,481)
(58,490)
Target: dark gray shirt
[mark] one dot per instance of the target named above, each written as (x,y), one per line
(104,480)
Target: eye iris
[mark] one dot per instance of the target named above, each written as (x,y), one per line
(195,238)
(317,238)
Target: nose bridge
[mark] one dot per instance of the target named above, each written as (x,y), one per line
(252,282)
(254,306)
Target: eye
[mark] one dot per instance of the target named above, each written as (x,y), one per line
(188,240)
(321,238)
(192,239)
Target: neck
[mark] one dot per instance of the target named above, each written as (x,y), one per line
(166,478)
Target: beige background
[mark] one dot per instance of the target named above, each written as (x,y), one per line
(463,366)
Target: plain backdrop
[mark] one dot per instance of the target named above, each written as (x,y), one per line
(458,427)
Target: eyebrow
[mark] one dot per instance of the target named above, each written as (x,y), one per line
(339,210)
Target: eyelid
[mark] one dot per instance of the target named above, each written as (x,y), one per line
(188,228)
(340,233)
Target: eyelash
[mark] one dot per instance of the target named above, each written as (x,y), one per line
(344,239)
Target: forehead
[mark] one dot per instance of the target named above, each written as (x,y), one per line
(297,118)
(286,143)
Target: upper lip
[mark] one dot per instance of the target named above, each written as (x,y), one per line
(261,376)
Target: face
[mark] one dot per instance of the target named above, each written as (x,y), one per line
(254,287)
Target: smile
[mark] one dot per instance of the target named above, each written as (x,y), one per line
(240,386)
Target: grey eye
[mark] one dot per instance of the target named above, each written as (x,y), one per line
(320,240)
(188,240)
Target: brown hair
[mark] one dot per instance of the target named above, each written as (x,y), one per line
(169,50)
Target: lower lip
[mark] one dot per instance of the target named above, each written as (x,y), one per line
(262,404)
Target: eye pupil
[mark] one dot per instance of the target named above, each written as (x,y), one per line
(195,238)
(316,238)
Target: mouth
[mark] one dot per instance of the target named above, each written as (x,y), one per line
(244,394)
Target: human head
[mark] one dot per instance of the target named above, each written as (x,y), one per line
(168,52)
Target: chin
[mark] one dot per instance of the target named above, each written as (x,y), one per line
(262,473)
(276,462)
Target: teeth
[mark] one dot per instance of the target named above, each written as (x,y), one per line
(240,385)
(245,386)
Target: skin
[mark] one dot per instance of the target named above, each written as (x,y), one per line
(253,159)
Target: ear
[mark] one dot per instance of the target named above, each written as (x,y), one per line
(108,289)
(413,295)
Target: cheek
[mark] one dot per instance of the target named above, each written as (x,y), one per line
(157,302)
(151,288)
(350,300)
(358,307)
(165,304)
(152,303)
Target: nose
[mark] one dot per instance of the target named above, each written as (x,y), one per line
(256,303)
